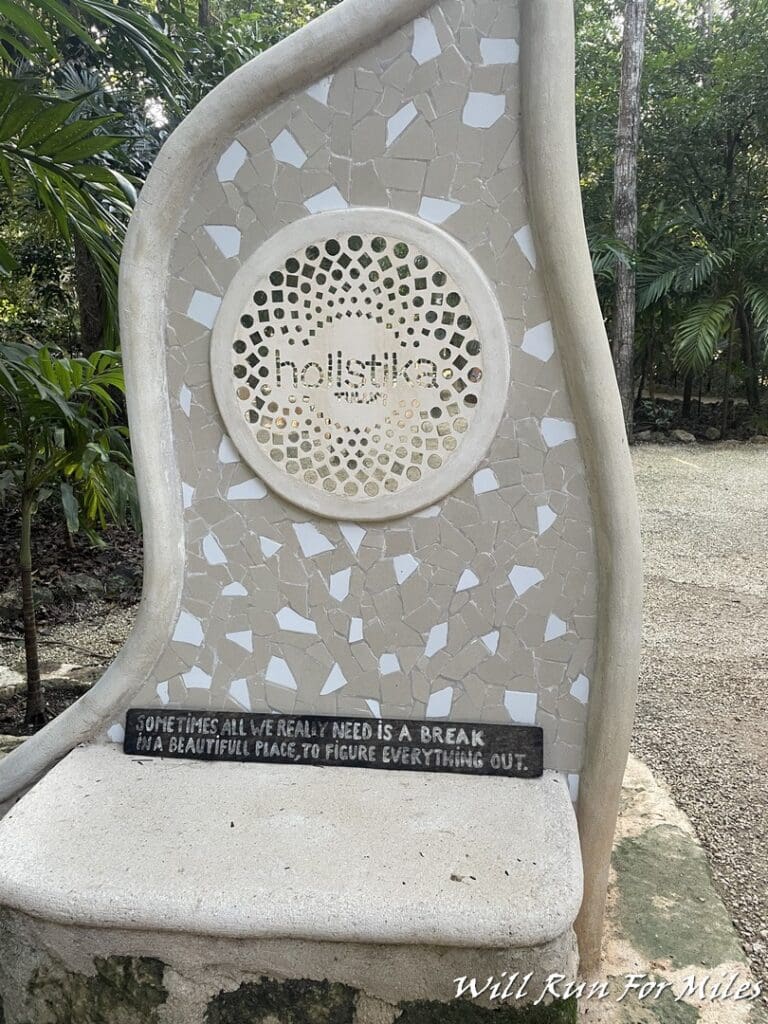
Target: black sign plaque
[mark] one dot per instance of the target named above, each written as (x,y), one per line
(461,748)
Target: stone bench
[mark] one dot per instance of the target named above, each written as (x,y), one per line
(383,476)
(432,877)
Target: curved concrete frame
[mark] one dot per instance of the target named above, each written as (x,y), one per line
(144,271)
(561,243)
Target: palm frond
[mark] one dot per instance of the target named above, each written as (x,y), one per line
(756,296)
(700,332)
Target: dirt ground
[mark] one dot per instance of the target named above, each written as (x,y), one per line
(702,723)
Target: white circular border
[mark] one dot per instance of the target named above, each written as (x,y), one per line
(485,310)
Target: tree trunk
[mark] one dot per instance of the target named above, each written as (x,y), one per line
(625,200)
(35,712)
(91,300)
(727,382)
(203,14)
(752,376)
(643,371)
(687,393)
(706,16)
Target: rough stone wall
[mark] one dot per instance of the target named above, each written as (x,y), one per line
(143,990)
(481,608)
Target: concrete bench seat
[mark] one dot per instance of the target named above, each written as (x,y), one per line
(322,854)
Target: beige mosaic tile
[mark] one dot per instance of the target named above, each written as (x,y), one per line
(481,608)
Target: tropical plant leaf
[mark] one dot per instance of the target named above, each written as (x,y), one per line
(756,296)
(700,332)
(26,25)
(7,262)
(21,18)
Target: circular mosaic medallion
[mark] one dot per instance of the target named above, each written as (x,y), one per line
(362,372)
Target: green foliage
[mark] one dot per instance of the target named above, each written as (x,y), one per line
(59,436)
(699,334)
(39,29)
(47,151)
(702,256)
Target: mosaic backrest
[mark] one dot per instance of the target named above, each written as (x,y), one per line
(429,554)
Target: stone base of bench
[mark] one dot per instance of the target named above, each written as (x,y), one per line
(143,891)
(54,974)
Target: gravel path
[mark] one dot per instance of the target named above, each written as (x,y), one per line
(702,722)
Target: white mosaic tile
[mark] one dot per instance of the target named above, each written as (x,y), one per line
(437,639)
(426,45)
(355,629)
(545,517)
(311,541)
(197,679)
(290,620)
(397,124)
(524,239)
(338,584)
(556,432)
(335,681)
(238,691)
(116,733)
(234,590)
(388,663)
(280,674)
(580,688)
(374,707)
(467,580)
(483,109)
(185,399)
(203,307)
(227,453)
(404,566)
(250,490)
(491,640)
(523,577)
(189,630)
(436,211)
(539,342)
(485,480)
(268,546)
(321,90)
(162,692)
(439,703)
(187,495)
(328,199)
(521,707)
(499,51)
(212,551)
(242,638)
(555,628)
(353,535)
(573,785)
(226,239)
(230,162)
(429,513)
(287,150)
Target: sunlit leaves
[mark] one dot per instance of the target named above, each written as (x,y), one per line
(31,27)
